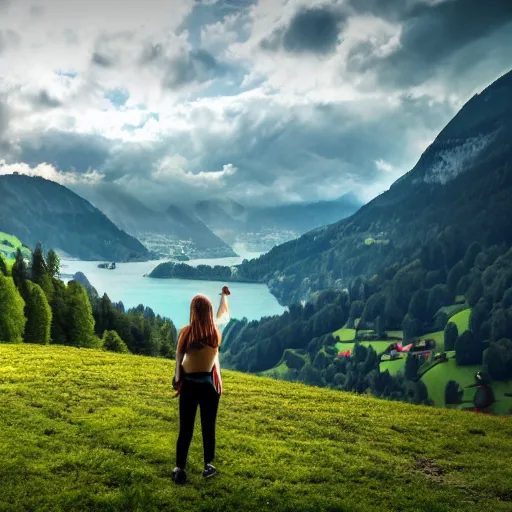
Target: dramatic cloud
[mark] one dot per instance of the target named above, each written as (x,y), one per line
(312,30)
(264,101)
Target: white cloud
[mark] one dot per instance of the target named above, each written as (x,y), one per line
(384,166)
(49,172)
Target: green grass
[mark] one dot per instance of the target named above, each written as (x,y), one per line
(84,430)
(279,371)
(378,345)
(394,367)
(453,309)
(437,377)
(7,251)
(438,337)
(461,320)
(345,334)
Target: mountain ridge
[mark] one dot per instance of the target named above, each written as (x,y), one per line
(164,232)
(411,211)
(38,210)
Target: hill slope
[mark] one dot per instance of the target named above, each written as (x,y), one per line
(39,210)
(160,231)
(458,192)
(87,430)
(9,245)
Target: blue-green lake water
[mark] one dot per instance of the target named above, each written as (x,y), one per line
(171,297)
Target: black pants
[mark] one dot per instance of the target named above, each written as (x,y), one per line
(193,394)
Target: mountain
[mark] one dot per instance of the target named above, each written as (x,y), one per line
(163,232)
(234,222)
(107,443)
(38,210)
(459,192)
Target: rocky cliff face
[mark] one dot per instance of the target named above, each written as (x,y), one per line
(37,210)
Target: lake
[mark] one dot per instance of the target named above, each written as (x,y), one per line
(171,297)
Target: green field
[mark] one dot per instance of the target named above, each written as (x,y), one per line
(345,334)
(84,430)
(394,367)
(461,320)
(436,378)
(378,345)
(438,337)
(8,251)
(280,371)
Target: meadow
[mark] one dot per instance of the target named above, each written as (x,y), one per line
(84,430)
(8,250)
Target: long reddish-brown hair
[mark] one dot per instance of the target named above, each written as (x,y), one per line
(202,327)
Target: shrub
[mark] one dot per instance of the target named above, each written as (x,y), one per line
(452,393)
(112,342)
(293,360)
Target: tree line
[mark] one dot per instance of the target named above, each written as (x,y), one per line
(38,307)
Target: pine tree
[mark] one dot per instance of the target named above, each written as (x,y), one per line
(59,305)
(452,393)
(412,366)
(19,269)
(53,263)
(12,318)
(46,283)
(451,334)
(80,319)
(468,349)
(39,268)
(38,314)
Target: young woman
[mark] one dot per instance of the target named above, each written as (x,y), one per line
(197,380)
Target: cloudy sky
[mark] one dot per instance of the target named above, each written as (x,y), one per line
(264,101)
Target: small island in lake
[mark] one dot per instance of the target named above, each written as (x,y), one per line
(171,269)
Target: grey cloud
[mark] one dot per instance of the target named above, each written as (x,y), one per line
(311,30)
(190,66)
(151,53)
(4,118)
(432,35)
(65,150)
(323,145)
(44,100)
(8,39)
(109,49)
(102,60)
(36,10)
(196,66)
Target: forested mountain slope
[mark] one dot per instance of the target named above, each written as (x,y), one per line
(38,210)
(459,192)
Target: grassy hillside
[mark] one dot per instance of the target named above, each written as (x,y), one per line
(8,246)
(88,430)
